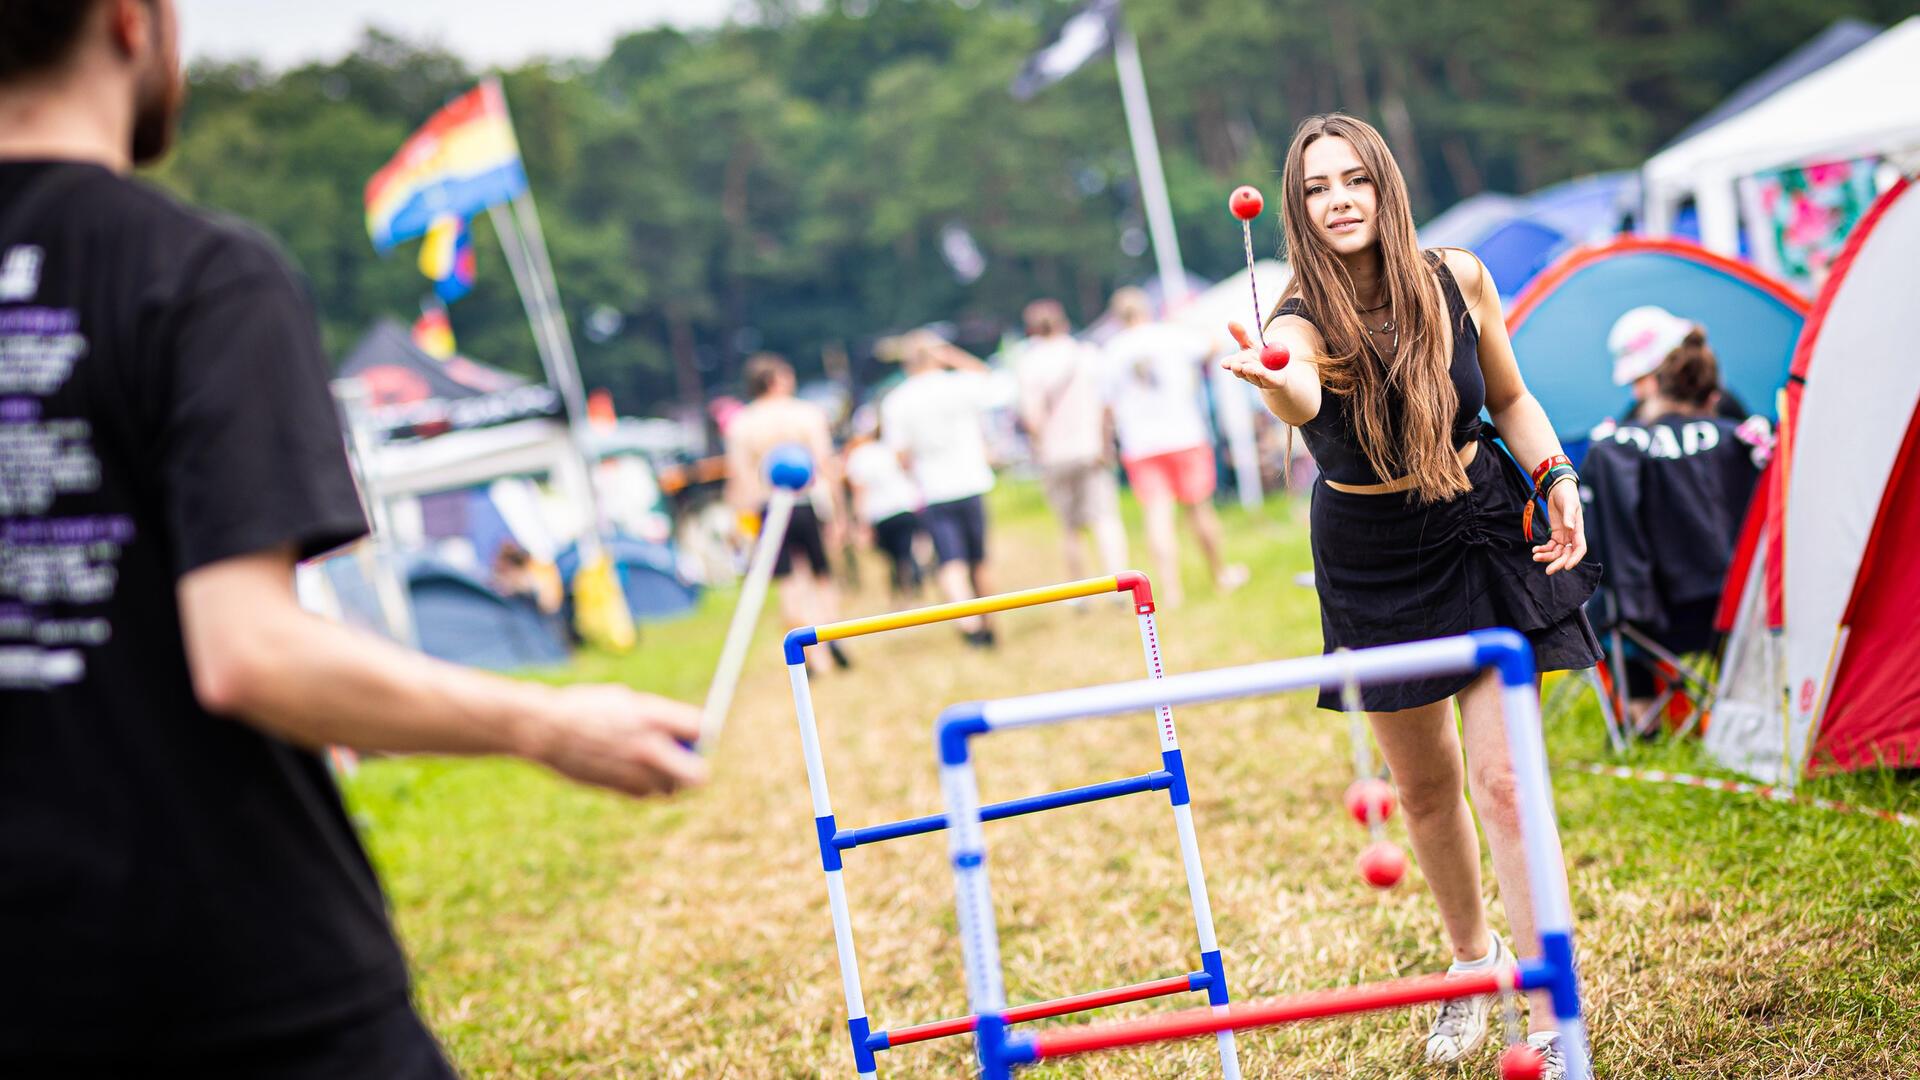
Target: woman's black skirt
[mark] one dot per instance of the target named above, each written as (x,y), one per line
(1389,570)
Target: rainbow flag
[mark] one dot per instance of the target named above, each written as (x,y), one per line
(462,161)
(447,257)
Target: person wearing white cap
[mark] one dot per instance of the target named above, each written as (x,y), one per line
(1640,341)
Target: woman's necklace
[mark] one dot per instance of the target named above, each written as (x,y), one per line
(1388,327)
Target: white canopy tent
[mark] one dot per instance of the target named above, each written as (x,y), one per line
(1865,103)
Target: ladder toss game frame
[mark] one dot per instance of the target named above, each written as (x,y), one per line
(1001,1052)
(1171,777)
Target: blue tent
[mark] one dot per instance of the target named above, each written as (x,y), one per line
(1518,237)
(649,576)
(1465,222)
(457,617)
(1560,325)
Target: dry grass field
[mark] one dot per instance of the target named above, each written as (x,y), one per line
(557,932)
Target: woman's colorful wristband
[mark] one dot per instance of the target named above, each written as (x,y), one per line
(1553,476)
(1540,471)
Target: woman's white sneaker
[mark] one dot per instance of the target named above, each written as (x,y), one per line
(1461,1025)
(1553,1058)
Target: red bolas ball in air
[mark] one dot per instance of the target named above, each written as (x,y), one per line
(1246,202)
(1383,864)
(1521,1062)
(1370,797)
(1274,357)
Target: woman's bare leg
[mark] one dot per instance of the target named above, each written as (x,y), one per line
(1422,747)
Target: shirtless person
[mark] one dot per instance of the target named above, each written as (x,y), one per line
(774,417)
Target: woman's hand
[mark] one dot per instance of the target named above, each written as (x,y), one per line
(1567,528)
(1247,365)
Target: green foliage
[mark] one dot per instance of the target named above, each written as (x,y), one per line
(784,183)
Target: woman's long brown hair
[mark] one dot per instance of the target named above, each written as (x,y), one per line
(1416,368)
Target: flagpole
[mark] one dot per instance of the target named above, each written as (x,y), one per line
(561,374)
(1146,158)
(1166,251)
(525,245)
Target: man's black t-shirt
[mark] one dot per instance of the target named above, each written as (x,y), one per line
(169,880)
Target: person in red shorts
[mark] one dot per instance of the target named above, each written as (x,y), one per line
(1152,385)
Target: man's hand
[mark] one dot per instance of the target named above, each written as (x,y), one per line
(617,738)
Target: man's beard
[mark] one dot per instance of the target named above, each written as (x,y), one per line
(156,114)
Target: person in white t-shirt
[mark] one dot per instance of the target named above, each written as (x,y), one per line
(1066,421)
(935,422)
(1151,381)
(887,503)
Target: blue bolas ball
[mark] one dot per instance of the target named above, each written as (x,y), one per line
(789,467)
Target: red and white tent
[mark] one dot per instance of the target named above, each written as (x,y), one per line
(1822,671)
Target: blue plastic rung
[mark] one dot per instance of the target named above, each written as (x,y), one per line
(1158,780)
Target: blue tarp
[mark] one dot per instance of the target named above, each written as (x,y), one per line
(649,576)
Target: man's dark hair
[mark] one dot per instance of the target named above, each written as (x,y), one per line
(761,370)
(38,35)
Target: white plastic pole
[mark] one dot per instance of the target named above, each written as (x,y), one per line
(1413,660)
(1540,838)
(1189,840)
(746,614)
(979,937)
(822,807)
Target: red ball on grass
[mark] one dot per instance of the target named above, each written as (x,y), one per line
(1521,1062)
(1246,202)
(1370,794)
(1383,864)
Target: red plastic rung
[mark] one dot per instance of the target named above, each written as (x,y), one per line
(1040,1010)
(1310,1006)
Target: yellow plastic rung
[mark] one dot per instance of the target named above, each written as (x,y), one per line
(899,620)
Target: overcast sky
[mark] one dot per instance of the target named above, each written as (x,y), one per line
(289,32)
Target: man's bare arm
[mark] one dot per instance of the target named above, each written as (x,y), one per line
(258,657)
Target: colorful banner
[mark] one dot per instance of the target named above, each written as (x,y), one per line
(447,257)
(462,161)
(1810,210)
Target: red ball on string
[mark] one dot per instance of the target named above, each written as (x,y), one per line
(1383,864)
(1274,357)
(1246,202)
(1521,1062)
(1370,798)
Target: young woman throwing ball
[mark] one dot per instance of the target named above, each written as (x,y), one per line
(1421,528)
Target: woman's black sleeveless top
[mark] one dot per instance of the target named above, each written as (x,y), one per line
(1330,435)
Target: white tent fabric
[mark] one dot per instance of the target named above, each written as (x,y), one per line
(1865,103)
(1862,392)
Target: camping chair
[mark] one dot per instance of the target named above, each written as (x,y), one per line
(1681,681)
